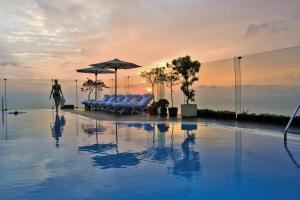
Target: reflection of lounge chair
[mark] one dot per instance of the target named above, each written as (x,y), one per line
(134,107)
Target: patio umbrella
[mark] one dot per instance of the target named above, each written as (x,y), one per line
(115,64)
(96,71)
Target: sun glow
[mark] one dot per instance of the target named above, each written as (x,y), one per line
(148,89)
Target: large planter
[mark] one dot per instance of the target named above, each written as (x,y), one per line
(153,109)
(188,110)
(163,112)
(173,112)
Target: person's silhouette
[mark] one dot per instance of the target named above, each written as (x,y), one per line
(57,94)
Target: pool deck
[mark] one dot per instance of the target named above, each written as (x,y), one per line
(146,117)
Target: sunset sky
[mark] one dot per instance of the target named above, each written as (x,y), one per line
(46,39)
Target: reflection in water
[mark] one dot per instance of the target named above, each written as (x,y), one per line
(2,119)
(6,136)
(161,152)
(118,160)
(58,127)
(184,159)
(98,148)
(238,154)
(189,165)
(4,124)
(290,154)
(91,129)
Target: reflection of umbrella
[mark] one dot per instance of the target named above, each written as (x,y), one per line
(90,130)
(96,71)
(120,160)
(115,64)
(97,148)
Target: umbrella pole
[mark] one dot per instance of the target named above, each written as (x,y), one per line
(96,87)
(117,142)
(116,85)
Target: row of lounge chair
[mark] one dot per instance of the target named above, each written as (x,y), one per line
(129,103)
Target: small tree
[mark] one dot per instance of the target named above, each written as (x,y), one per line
(171,79)
(154,76)
(89,86)
(188,69)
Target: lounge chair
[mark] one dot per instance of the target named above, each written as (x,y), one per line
(136,107)
(108,105)
(88,103)
(126,99)
(132,100)
(100,104)
(94,103)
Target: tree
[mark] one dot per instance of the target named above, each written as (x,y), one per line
(171,79)
(89,86)
(154,76)
(187,69)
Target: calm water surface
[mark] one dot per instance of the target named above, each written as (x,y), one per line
(44,156)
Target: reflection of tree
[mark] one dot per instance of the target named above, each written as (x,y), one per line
(161,152)
(185,160)
(190,163)
(58,127)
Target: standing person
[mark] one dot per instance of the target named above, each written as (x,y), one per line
(57,93)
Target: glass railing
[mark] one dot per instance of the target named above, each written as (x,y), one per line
(271,80)
(269,84)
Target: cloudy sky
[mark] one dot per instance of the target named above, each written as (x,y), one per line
(45,39)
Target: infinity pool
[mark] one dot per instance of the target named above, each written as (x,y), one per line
(44,156)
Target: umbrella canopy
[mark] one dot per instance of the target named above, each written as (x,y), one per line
(115,64)
(96,71)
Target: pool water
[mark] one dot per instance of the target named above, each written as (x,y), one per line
(66,156)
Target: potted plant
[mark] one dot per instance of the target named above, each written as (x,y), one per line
(153,76)
(171,79)
(187,69)
(163,104)
(89,86)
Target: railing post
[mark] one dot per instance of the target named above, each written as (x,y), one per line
(237,70)
(291,120)
(5,100)
(76,94)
